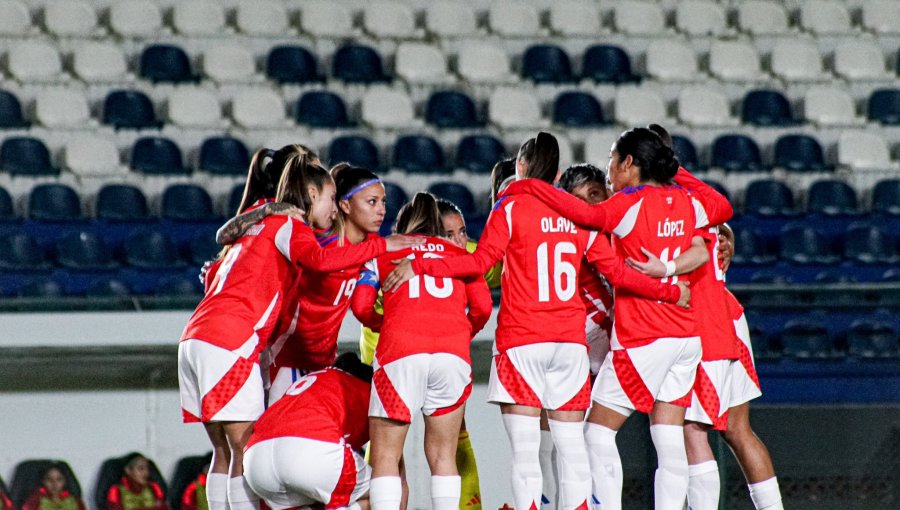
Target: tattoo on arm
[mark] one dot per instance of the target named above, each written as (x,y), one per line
(235,227)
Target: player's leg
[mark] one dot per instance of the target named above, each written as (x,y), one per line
(522,425)
(548,466)
(753,458)
(703,471)
(670,483)
(470,492)
(567,430)
(217,478)
(240,496)
(441,437)
(387,437)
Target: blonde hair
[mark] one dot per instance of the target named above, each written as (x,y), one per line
(420,216)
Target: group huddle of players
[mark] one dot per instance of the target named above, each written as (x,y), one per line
(613,301)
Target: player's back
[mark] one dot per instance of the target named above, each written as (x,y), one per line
(711,302)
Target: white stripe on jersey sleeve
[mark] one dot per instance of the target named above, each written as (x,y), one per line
(700,213)
(372,265)
(591,238)
(283,238)
(626,225)
(508,208)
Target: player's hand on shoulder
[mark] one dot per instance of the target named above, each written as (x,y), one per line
(652,267)
(401,274)
(205,269)
(284,209)
(684,300)
(397,242)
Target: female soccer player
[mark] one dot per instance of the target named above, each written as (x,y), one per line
(541,356)
(418,367)
(218,356)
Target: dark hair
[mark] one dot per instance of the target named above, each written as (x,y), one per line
(299,173)
(59,466)
(265,171)
(349,362)
(346,177)
(131,457)
(581,174)
(656,161)
(447,207)
(420,216)
(541,154)
(662,134)
(502,170)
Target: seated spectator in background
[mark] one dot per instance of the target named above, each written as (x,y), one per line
(194,495)
(52,494)
(136,491)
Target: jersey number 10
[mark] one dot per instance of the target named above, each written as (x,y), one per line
(561,268)
(442,291)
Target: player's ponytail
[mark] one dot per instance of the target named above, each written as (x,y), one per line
(420,216)
(540,156)
(502,174)
(300,171)
(265,171)
(657,161)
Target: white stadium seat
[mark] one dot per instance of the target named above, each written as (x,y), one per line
(95,62)
(639,106)
(797,60)
(566,152)
(639,17)
(262,18)
(735,61)
(862,150)
(135,18)
(514,19)
(575,18)
(194,108)
(880,16)
(450,19)
(91,156)
(198,17)
(228,63)
(325,19)
(704,106)
(384,108)
(762,17)
(823,17)
(421,63)
(700,17)
(258,108)
(34,61)
(510,108)
(671,60)
(14,18)
(484,63)
(62,108)
(392,20)
(597,146)
(68,18)
(858,59)
(827,106)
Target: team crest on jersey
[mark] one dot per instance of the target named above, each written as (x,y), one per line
(668,200)
(255,230)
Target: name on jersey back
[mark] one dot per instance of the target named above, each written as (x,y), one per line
(668,228)
(428,247)
(558,225)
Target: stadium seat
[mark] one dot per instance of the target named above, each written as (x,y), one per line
(203,247)
(828,106)
(769,197)
(418,63)
(861,150)
(292,64)
(457,193)
(716,185)
(228,63)
(384,108)
(157,156)
(671,60)
(704,106)
(11,112)
(418,154)
(324,18)
(750,248)
(70,18)
(483,63)
(98,62)
(395,197)
(686,152)
(234,199)
(198,18)
(265,18)
(389,20)
(806,339)
(735,61)
(34,61)
(190,107)
(258,108)
(799,153)
(135,18)
(129,109)
(223,155)
(574,18)
(451,109)
(26,156)
(15,20)
(91,155)
(880,16)
(151,250)
(513,19)
(179,286)
(62,108)
(321,109)
(7,211)
(357,64)
(869,244)
(108,288)
(766,108)
(20,252)
(597,145)
(700,18)
(831,198)
(187,202)
(544,63)
(801,244)
(354,149)
(636,17)
(577,110)
(736,153)
(797,60)
(639,106)
(872,338)
(110,473)
(165,63)
(510,108)
(27,477)
(187,469)
(834,275)
(84,251)
(121,202)
(859,60)
(479,153)
(884,107)
(53,202)
(450,19)
(41,287)
(607,64)
(825,17)
(886,197)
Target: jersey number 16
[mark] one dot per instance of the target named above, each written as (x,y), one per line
(561,268)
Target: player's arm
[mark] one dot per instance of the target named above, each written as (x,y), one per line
(593,217)
(296,241)
(362,303)
(718,208)
(480,304)
(691,259)
(604,259)
(234,228)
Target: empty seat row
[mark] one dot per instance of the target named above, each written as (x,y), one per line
(870,337)
(827,197)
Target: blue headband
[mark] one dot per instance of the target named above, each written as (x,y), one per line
(360,188)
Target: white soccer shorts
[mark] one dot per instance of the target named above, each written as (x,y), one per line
(434,384)
(744,381)
(548,375)
(712,393)
(217,384)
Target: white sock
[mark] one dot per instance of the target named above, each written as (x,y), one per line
(240,496)
(671,482)
(766,495)
(217,491)
(525,440)
(703,486)
(606,466)
(548,470)
(385,493)
(445,492)
(574,467)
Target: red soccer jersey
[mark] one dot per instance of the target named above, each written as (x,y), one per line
(709,300)
(329,405)
(597,298)
(543,255)
(426,314)
(214,267)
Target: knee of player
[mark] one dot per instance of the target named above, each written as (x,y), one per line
(738,432)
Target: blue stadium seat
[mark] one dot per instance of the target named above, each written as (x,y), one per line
(355,63)
(129,109)
(766,108)
(356,150)
(869,244)
(292,64)
(234,199)
(395,197)
(223,155)
(177,286)
(806,339)
(884,106)
(151,250)
(451,109)
(121,202)
(577,110)
(7,211)
(108,288)
(764,348)
(84,251)
(479,153)
(165,63)
(736,153)
(686,152)
(834,275)
(187,202)
(770,277)
(457,193)
(153,155)
(868,338)
(716,185)
(54,202)
(799,153)
(607,64)
(418,154)
(20,252)
(831,198)
(203,247)
(750,248)
(27,156)
(805,245)
(321,109)
(11,112)
(42,287)
(886,197)
(545,63)
(768,197)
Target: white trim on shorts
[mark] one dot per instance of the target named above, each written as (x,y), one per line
(718,373)
(201,366)
(546,374)
(427,382)
(743,387)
